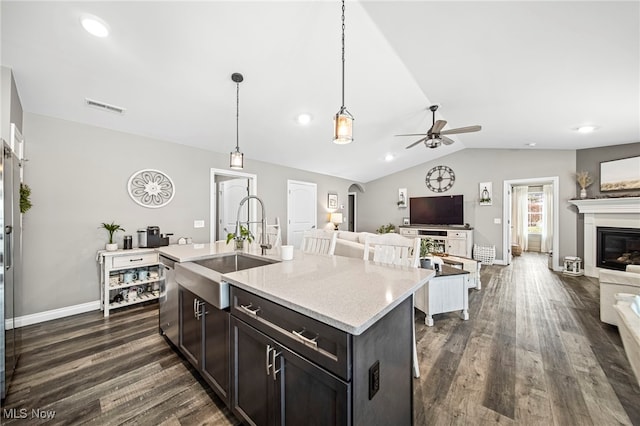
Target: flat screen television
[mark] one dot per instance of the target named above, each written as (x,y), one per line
(442,210)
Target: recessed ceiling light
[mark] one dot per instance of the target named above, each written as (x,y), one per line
(303,118)
(388,157)
(94,26)
(586,129)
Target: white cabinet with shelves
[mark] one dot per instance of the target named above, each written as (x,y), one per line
(454,241)
(128,277)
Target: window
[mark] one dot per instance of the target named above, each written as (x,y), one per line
(535,212)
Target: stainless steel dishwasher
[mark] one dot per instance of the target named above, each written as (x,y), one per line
(169,302)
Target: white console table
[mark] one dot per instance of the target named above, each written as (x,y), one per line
(456,241)
(466,264)
(445,292)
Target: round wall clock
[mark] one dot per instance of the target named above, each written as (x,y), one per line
(151,188)
(440,178)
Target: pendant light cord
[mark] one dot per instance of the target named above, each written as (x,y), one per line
(342,108)
(237,117)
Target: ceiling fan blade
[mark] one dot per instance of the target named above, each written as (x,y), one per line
(415,143)
(413,134)
(467,129)
(445,140)
(437,126)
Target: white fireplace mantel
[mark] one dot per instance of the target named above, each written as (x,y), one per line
(608,205)
(621,212)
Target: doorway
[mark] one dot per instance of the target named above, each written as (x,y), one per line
(226,186)
(510,186)
(351,220)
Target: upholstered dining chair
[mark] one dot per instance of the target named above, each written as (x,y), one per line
(319,241)
(394,249)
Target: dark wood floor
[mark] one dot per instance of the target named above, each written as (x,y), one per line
(533,352)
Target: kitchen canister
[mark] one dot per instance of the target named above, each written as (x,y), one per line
(128,242)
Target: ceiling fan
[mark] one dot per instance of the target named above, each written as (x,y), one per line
(436,136)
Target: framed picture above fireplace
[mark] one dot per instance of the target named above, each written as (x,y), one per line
(620,175)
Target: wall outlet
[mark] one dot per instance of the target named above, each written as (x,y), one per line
(198,223)
(497,220)
(374,379)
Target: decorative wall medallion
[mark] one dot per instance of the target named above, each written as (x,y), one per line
(440,179)
(151,188)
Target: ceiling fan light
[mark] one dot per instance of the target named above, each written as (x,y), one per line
(236,160)
(343,128)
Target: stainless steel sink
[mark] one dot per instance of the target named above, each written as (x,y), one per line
(202,277)
(232,262)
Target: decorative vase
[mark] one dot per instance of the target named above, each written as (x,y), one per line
(239,244)
(583,193)
(111,247)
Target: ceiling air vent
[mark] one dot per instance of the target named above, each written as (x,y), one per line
(104,106)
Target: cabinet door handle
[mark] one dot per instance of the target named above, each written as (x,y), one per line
(266,360)
(275,354)
(198,310)
(309,342)
(253,312)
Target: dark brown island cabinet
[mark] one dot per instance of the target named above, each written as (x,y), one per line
(290,369)
(274,366)
(204,340)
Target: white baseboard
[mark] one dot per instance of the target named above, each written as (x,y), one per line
(52,314)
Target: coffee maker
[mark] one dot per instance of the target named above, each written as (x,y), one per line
(151,237)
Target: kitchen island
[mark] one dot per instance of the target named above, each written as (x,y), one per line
(322,337)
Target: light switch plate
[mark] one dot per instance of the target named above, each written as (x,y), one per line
(198,223)
(497,220)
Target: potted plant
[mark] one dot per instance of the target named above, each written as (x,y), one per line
(584,180)
(111,228)
(427,246)
(245,234)
(25,198)
(385,229)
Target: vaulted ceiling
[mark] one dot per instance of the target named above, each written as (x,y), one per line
(528,72)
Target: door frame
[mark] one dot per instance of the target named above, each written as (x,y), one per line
(506,216)
(213,212)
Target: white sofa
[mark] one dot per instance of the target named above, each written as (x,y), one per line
(628,309)
(612,282)
(351,244)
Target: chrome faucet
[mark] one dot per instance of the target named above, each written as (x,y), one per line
(264,245)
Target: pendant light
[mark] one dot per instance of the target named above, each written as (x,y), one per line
(236,160)
(343,121)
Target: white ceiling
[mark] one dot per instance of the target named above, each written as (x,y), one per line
(528,72)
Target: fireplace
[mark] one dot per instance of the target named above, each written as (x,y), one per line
(623,212)
(617,247)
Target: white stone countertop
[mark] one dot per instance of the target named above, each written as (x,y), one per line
(347,293)
(191,252)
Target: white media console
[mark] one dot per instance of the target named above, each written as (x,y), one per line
(454,241)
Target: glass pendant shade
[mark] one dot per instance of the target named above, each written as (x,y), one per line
(236,160)
(343,128)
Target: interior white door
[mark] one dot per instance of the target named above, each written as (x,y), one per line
(302,211)
(230,193)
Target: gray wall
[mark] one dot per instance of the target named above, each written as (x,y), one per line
(377,205)
(589,160)
(78,175)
